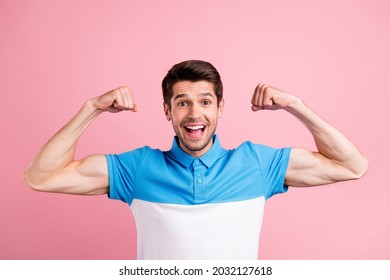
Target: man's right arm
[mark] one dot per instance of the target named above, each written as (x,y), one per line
(54,169)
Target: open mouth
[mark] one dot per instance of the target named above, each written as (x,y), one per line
(195,130)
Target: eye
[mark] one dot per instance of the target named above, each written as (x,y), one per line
(182,103)
(206,102)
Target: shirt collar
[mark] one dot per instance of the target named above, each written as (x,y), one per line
(208,158)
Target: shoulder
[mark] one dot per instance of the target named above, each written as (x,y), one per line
(262,152)
(136,154)
(251,147)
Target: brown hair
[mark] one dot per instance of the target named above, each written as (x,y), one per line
(194,71)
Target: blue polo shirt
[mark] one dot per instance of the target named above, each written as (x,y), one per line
(198,208)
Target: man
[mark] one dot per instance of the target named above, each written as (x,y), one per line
(197,200)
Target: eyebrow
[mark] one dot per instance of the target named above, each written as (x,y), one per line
(183,95)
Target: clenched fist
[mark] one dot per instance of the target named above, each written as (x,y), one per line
(117,100)
(267,97)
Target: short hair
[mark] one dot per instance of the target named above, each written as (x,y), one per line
(193,71)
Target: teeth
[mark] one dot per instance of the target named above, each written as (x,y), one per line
(195,127)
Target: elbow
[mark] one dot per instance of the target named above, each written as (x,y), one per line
(29,181)
(362,168)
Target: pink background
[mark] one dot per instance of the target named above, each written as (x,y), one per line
(57,54)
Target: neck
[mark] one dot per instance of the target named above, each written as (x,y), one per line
(197,153)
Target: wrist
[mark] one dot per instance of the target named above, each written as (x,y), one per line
(295,105)
(92,105)
(91,108)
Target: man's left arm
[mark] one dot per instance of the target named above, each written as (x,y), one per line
(337,158)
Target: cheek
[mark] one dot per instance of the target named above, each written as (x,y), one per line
(175,119)
(178,115)
(214,116)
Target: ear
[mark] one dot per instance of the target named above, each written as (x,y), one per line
(167,112)
(220,108)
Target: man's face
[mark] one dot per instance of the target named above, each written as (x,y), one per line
(194,114)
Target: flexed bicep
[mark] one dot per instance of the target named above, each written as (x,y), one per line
(54,169)
(88,176)
(307,168)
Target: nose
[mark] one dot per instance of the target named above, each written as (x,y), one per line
(194,112)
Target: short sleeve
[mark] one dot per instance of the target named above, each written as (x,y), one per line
(122,174)
(273,164)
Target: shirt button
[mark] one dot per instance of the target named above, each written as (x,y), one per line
(199,181)
(197,161)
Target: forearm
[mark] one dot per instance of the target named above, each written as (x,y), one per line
(330,142)
(59,150)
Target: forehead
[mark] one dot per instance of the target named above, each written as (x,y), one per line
(188,87)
